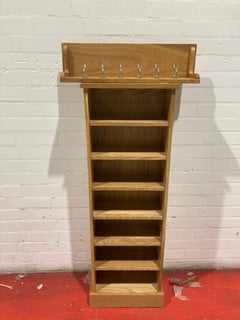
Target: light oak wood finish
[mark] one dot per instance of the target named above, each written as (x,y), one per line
(128,186)
(128,104)
(128,156)
(127,265)
(125,200)
(127,295)
(128,138)
(128,85)
(127,241)
(129,172)
(127,215)
(129,124)
(166,179)
(75,55)
(126,288)
(91,199)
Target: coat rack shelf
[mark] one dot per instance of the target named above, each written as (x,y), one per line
(129,92)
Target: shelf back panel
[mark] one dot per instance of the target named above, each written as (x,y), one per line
(127,228)
(127,253)
(128,170)
(128,104)
(126,276)
(134,139)
(128,200)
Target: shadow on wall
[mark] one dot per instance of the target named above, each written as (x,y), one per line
(68,160)
(198,214)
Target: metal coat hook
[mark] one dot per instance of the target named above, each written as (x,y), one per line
(102,71)
(139,74)
(157,70)
(120,71)
(174,70)
(84,70)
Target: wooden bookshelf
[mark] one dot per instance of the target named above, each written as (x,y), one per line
(129,92)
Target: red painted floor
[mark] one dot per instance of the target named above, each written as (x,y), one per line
(64,296)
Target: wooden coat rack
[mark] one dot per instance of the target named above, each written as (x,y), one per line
(129,92)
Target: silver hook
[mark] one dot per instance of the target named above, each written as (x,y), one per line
(157,70)
(139,74)
(102,71)
(120,71)
(84,70)
(174,70)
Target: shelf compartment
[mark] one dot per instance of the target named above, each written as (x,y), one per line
(128,104)
(127,253)
(124,200)
(126,276)
(128,170)
(127,241)
(127,295)
(127,227)
(128,186)
(125,288)
(127,214)
(128,156)
(124,265)
(128,139)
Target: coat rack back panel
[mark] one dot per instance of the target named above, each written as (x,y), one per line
(89,62)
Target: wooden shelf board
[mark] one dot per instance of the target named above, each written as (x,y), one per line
(128,156)
(127,186)
(127,215)
(128,123)
(127,288)
(122,265)
(127,241)
(112,84)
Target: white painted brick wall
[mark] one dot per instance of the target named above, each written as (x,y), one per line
(43,171)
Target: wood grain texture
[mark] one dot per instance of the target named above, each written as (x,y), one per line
(129,55)
(126,288)
(127,214)
(128,138)
(171,103)
(128,171)
(128,156)
(191,63)
(151,265)
(128,186)
(127,241)
(127,84)
(129,123)
(143,295)
(128,104)
(91,196)
(125,200)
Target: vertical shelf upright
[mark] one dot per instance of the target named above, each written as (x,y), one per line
(129,92)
